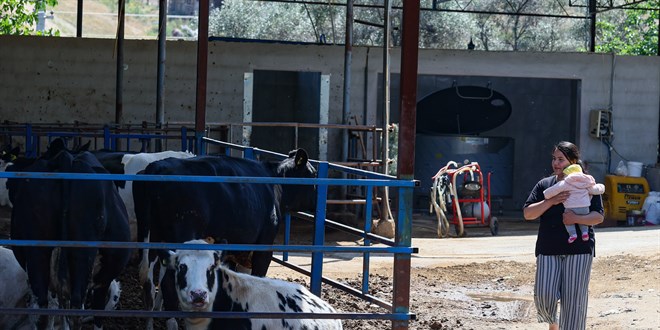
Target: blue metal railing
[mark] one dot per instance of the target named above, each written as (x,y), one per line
(369,180)
(110,137)
(400,247)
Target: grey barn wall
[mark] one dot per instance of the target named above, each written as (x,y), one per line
(65,79)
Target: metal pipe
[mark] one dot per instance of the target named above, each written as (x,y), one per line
(592,26)
(348,54)
(386,85)
(385,202)
(79,19)
(119,102)
(346,109)
(202,67)
(366,88)
(160,78)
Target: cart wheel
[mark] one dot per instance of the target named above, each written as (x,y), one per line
(494,226)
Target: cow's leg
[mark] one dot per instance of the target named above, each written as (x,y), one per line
(39,278)
(99,293)
(170,298)
(147,267)
(81,263)
(260,262)
(113,262)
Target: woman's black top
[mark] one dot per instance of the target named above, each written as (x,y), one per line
(552,237)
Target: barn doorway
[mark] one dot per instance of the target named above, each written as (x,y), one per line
(281,98)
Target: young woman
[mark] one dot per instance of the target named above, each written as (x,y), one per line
(562,269)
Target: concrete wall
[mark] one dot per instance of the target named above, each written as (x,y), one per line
(65,79)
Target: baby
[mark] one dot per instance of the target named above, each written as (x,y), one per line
(581,186)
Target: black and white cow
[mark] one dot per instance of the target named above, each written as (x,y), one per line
(14,291)
(7,157)
(36,215)
(93,211)
(79,210)
(203,284)
(132,163)
(241,213)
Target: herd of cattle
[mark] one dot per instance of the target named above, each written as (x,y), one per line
(152,211)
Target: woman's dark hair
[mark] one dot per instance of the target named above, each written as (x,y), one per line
(571,152)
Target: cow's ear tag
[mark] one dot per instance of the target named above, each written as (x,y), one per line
(210,240)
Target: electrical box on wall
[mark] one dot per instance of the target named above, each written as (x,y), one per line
(600,123)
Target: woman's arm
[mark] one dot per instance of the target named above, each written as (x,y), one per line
(593,218)
(555,189)
(535,210)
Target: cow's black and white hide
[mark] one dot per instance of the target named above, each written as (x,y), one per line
(7,157)
(14,292)
(80,210)
(93,211)
(203,284)
(132,163)
(36,215)
(241,213)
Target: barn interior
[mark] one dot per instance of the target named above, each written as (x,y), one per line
(504,110)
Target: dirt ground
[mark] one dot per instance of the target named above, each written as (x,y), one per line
(476,282)
(486,282)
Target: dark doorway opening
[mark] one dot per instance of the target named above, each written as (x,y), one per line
(286,97)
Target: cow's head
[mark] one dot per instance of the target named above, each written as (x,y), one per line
(297,197)
(195,274)
(8,155)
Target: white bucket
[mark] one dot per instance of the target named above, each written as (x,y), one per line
(635,169)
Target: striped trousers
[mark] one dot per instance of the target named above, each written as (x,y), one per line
(563,278)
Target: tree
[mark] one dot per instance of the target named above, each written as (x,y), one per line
(623,31)
(527,33)
(631,32)
(19,17)
(261,20)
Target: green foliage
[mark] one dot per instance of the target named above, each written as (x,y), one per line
(19,17)
(261,20)
(631,32)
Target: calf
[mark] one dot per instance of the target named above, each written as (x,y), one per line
(204,284)
(241,213)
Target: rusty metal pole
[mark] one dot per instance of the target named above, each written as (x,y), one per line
(202,67)
(406,157)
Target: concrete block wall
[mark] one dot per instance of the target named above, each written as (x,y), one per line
(46,80)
